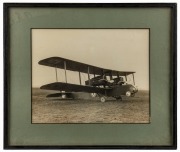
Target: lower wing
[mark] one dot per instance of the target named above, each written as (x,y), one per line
(60,86)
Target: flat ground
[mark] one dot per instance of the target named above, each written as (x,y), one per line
(130,110)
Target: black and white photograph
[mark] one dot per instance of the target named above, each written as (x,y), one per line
(90,76)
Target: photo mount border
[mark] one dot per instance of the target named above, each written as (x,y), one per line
(173,60)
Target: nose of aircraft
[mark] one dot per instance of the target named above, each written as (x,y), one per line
(135,89)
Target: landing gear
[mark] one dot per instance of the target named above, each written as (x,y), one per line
(128,93)
(119,98)
(64,96)
(133,94)
(93,95)
(103,99)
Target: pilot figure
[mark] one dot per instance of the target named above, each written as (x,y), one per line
(121,81)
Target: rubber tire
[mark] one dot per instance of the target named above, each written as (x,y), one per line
(103,99)
(128,93)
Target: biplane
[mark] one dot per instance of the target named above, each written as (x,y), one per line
(105,82)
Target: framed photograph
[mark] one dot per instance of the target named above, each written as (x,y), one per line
(90,76)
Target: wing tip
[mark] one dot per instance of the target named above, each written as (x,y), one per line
(42,87)
(45,61)
(41,62)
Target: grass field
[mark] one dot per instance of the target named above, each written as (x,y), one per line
(89,110)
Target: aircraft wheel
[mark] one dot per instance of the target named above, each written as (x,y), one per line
(64,96)
(128,93)
(103,99)
(93,95)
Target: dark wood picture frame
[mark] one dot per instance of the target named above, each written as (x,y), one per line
(173,72)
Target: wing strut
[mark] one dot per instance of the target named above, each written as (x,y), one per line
(133,79)
(65,70)
(126,77)
(94,73)
(88,75)
(111,77)
(80,77)
(56,74)
(118,74)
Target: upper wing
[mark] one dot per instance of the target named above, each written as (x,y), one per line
(60,86)
(59,62)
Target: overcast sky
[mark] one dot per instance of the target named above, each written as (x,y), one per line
(117,49)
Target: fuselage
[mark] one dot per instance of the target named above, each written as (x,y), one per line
(117,86)
(118,90)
